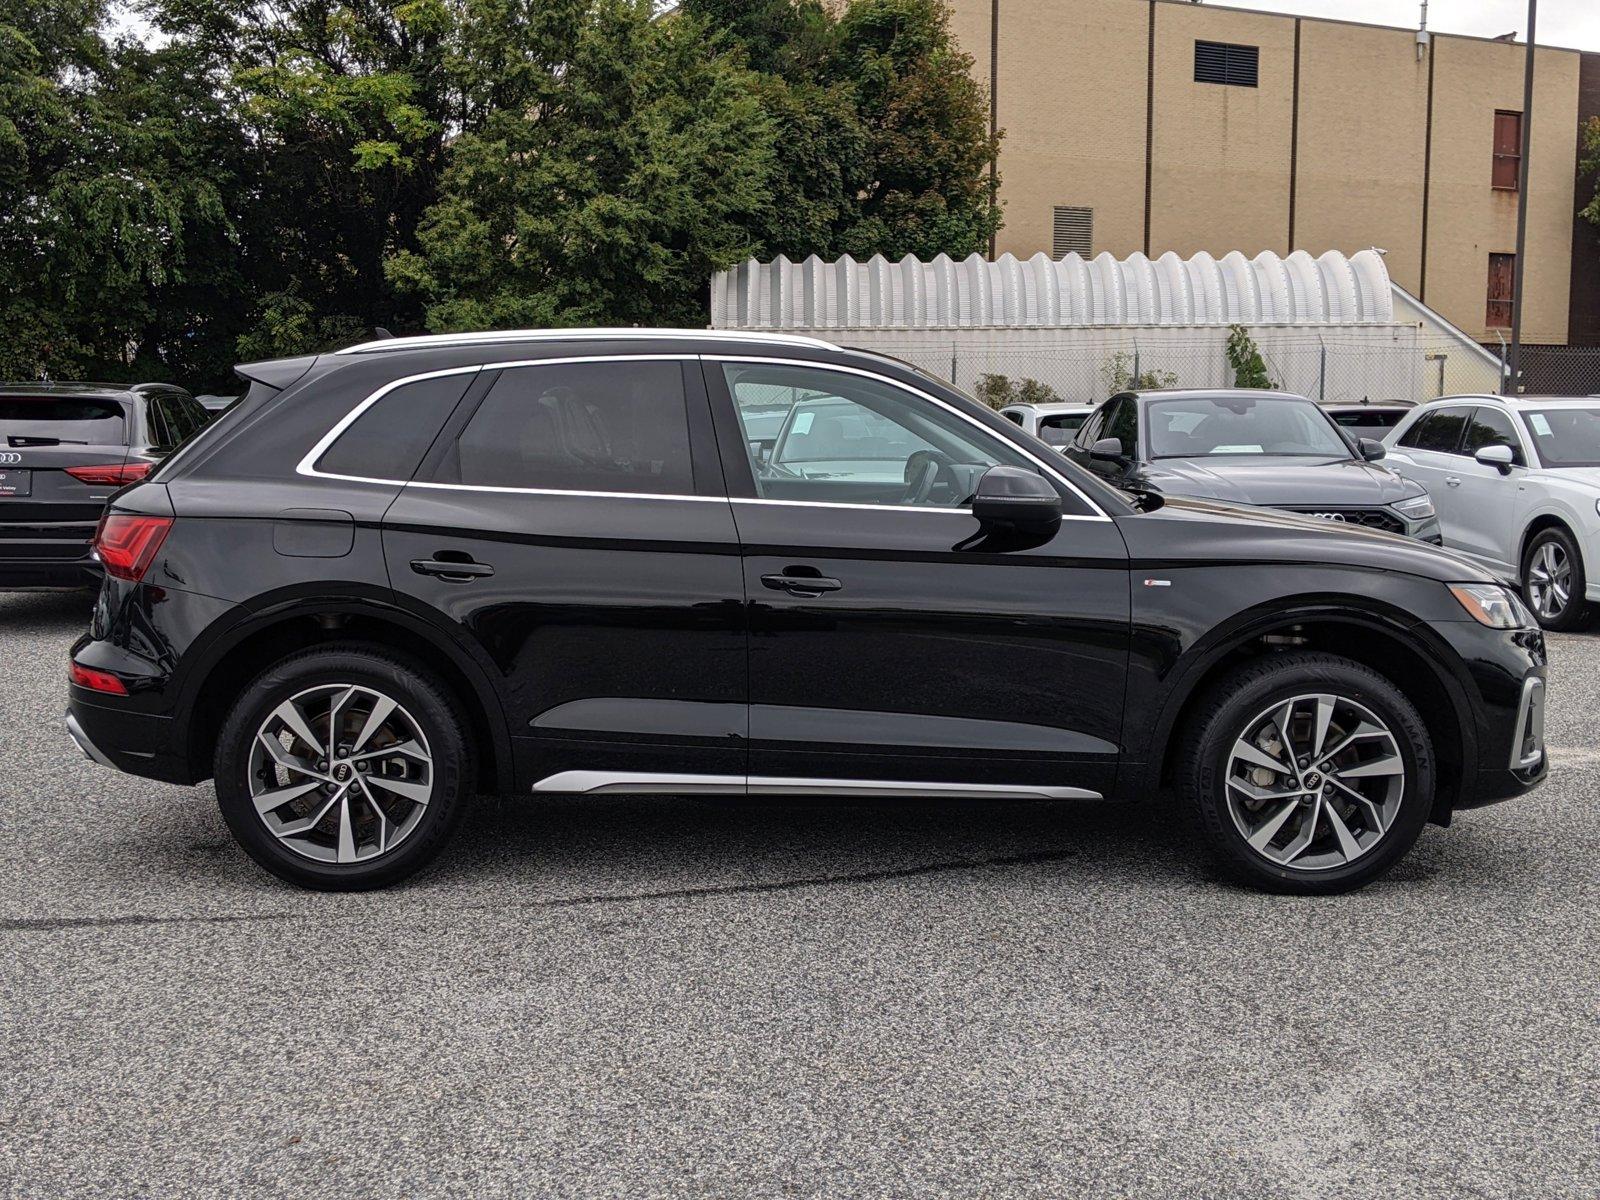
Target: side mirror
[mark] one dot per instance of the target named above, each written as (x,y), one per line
(1107,449)
(1017,497)
(1500,457)
(1371,449)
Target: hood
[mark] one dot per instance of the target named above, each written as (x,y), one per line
(1313,482)
(1211,532)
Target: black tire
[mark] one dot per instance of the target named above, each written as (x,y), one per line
(423,699)
(1225,712)
(1577,612)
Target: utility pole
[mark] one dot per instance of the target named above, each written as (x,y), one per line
(1512,383)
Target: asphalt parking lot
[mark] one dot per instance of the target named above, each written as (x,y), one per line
(775,998)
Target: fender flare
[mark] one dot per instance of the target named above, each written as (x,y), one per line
(211,647)
(1194,666)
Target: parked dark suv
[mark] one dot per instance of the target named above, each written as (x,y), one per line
(64,448)
(394,576)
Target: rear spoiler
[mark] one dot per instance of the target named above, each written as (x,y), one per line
(276,373)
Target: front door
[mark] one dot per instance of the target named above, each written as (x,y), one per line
(1489,501)
(892,639)
(1429,453)
(571,525)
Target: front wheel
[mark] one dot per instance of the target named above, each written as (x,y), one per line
(1307,773)
(343,768)
(1553,581)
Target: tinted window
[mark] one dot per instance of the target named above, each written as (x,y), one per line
(62,418)
(1490,427)
(1012,415)
(583,427)
(1378,418)
(170,421)
(1090,431)
(1123,424)
(1200,427)
(388,440)
(1439,432)
(851,439)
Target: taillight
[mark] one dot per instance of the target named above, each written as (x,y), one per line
(127,543)
(115,475)
(96,681)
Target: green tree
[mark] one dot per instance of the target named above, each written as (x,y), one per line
(622,165)
(1244,356)
(1589,167)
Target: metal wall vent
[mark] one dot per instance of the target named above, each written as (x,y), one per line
(1073,231)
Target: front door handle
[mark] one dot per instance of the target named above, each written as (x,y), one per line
(1452,481)
(454,572)
(801,585)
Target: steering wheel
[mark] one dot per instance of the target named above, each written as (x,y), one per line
(923,471)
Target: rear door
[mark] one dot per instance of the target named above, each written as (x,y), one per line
(572,525)
(1489,502)
(1429,453)
(48,514)
(895,644)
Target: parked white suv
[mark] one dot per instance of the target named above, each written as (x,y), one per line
(1516,481)
(1054,424)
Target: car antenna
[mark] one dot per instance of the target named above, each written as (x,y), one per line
(378,331)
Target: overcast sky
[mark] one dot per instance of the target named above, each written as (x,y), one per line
(1561,22)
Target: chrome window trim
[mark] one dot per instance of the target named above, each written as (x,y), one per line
(307,465)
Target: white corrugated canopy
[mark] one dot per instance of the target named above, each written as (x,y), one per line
(1269,289)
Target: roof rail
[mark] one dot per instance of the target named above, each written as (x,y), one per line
(424,341)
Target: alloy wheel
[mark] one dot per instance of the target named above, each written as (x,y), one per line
(340,773)
(1550,580)
(1315,782)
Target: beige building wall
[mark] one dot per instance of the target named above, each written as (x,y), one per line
(1073,90)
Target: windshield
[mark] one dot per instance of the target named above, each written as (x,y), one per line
(1566,437)
(1224,425)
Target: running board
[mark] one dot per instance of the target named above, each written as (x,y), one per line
(644,783)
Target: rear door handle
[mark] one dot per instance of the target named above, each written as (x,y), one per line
(801,585)
(1452,481)
(454,572)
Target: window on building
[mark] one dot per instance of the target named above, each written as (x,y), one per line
(1502,270)
(1073,231)
(1507,150)
(1223,62)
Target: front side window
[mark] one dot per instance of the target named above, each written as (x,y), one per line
(1242,425)
(589,427)
(1566,437)
(1491,427)
(850,439)
(1122,423)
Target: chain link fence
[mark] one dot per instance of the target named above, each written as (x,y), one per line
(1088,365)
(1561,370)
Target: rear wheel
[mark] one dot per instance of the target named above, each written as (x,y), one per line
(1553,581)
(343,768)
(1307,773)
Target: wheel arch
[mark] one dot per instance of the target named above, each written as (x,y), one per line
(230,657)
(1549,519)
(1390,642)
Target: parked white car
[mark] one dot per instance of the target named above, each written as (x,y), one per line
(1054,424)
(1516,481)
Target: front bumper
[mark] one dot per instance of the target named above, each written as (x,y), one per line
(1506,706)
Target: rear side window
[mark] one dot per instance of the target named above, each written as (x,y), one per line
(1060,430)
(1383,418)
(1011,415)
(591,427)
(388,440)
(1439,432)
(45,420)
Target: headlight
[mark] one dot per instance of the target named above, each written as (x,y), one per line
(1419,507)
(1492,605)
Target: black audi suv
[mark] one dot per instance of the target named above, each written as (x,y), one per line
(64,449)
(1274,449)
(659,562)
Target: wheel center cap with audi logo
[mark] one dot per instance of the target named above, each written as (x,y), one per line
(342,772)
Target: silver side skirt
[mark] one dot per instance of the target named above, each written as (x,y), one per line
(644,783)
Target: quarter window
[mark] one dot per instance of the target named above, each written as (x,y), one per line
(591,427)
(388,440)
(831,437)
